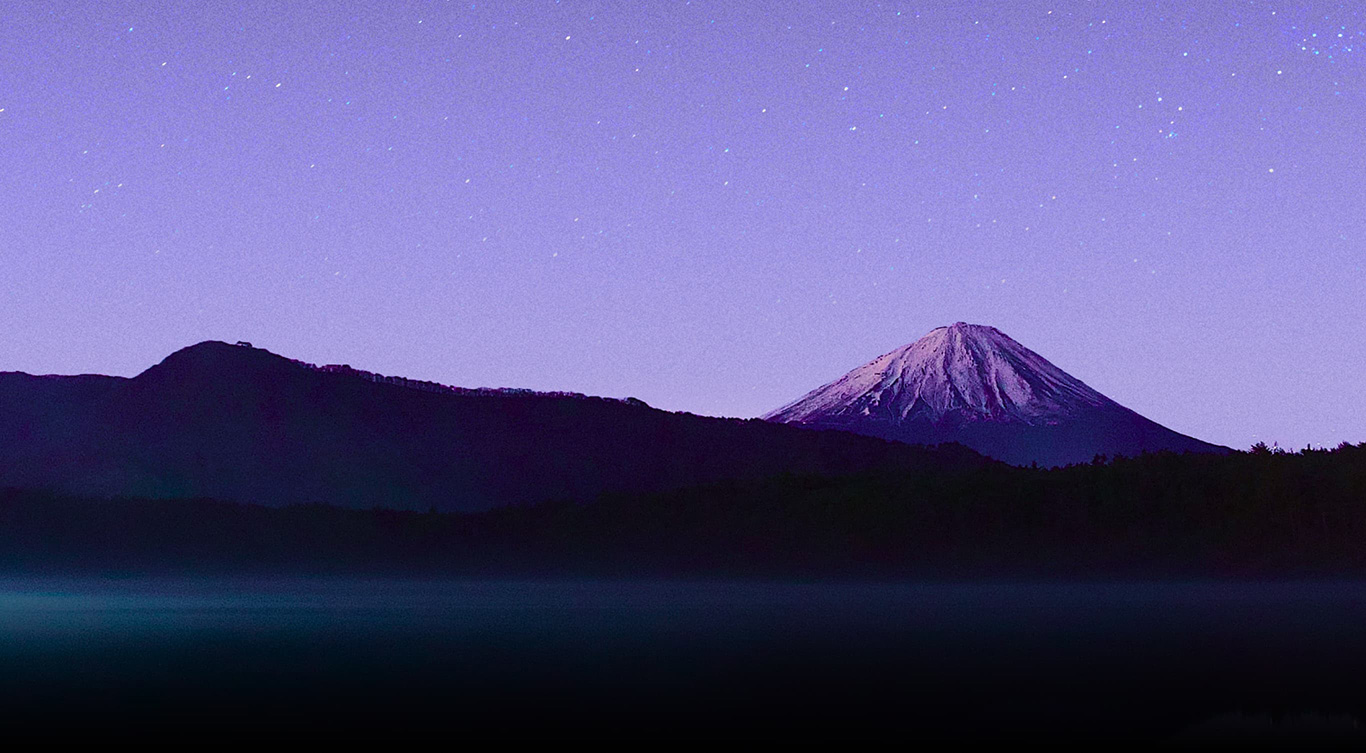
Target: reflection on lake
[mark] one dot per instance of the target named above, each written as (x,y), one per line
(1147,662)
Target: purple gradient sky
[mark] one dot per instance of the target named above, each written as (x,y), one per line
(713,206)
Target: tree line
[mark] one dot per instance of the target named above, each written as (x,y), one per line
(1265,513)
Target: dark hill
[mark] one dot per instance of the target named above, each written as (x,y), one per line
(242,424)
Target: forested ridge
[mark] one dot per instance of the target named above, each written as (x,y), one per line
(1263,513)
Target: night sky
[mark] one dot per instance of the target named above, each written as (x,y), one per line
(711,206)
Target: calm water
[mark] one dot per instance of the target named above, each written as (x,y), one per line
(198,658)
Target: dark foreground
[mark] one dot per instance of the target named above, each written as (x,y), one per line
(1261,515)
(626,661)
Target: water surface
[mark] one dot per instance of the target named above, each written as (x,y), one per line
(225,657)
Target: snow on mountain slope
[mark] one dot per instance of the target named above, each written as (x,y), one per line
(966,368)
(973,384)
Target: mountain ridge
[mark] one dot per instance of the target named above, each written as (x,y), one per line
(242,424)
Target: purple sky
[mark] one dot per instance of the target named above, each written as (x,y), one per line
(712,206)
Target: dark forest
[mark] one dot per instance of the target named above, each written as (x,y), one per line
(1266,513)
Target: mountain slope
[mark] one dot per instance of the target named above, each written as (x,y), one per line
(242,424)
(974,385)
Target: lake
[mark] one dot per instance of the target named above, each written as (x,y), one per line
(196,658)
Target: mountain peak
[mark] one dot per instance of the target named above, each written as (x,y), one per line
(973,384)
(967,371)
(213,358)
(973,330)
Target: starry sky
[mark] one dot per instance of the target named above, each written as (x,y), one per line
(711,206)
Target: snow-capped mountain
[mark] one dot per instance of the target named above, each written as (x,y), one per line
(972,384)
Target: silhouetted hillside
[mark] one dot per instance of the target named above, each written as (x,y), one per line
(1243,515)
(241,424)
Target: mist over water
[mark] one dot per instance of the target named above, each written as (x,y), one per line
(227,657)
